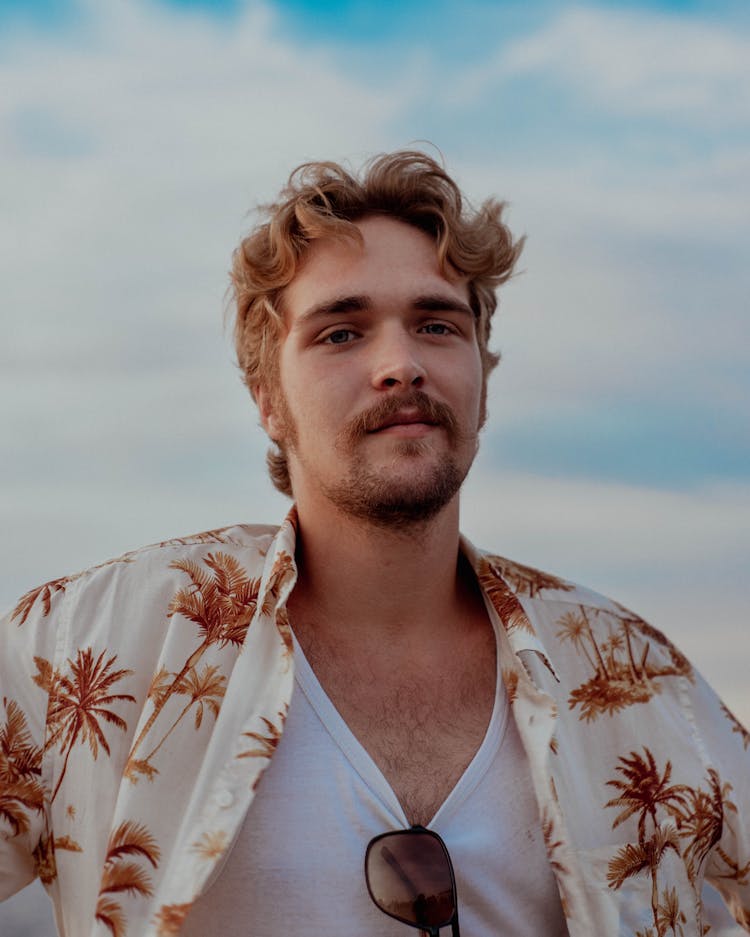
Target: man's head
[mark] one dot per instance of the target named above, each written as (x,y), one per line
(325,201)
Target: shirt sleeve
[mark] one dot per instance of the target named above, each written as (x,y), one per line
(727,749)
(27,641)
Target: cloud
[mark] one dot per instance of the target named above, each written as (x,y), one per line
(139,138)
(658,533)
(632,63)
(146,118)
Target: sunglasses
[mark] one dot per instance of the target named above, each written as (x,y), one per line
(410,877)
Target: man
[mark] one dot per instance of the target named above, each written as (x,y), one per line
(207,736)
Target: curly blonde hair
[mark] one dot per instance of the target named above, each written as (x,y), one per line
(323,199)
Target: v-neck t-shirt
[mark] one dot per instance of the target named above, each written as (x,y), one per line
(297,865)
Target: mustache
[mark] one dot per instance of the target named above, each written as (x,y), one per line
(427,409)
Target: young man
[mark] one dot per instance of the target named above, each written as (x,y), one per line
(204,736)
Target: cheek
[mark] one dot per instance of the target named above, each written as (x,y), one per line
(472,389)
(310,409)
(477,404)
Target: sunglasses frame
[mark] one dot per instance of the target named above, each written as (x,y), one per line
(433,931)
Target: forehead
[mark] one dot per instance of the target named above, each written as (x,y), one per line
(393,259)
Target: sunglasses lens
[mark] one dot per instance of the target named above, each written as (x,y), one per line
(409,877)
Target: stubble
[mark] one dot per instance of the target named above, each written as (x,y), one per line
(409,494)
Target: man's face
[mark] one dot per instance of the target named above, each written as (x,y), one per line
(380,377)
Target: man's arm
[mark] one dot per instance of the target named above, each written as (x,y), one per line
(27,641)
(727,745)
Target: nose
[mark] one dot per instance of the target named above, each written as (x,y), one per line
(398,364)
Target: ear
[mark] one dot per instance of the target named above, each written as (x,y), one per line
(269,419)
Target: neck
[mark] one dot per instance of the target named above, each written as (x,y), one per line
(367,582)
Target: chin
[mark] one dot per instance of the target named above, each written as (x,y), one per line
(399,502)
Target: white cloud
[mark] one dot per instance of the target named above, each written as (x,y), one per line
(651,532)
(138,140)
(634,63)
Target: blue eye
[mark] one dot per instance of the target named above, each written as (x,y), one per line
(339,337)
(436,328)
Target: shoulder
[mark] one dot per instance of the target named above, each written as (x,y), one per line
(582,628)
(151,568)
(539,592)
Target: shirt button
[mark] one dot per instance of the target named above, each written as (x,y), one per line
(225,799)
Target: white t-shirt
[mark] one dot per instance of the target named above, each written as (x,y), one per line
(297,866)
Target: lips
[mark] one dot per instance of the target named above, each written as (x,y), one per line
(404,418)
(403,414)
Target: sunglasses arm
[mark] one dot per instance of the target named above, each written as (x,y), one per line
(435,931)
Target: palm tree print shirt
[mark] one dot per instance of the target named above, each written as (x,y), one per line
(142,700)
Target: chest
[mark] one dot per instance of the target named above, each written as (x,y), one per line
(321,801)
(422,727)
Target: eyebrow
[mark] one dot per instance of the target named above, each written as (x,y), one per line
(361,303)
(438,303)
(336,307)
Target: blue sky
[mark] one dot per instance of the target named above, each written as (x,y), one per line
(138,135)
(135,137)
(618,132)
(365,22)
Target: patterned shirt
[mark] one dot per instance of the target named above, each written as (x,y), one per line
(142,700)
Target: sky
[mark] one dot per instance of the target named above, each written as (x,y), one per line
(138,136)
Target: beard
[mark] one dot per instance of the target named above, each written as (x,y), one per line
(397,503)
(406,495)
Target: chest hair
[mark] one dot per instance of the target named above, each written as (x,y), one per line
(421,724)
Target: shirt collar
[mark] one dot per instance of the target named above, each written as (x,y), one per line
(505,593)
(503,590)
(280,567)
